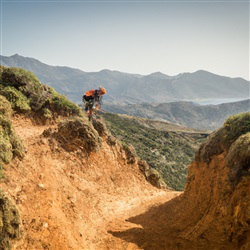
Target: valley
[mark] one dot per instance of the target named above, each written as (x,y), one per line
(187,114)
(167,148)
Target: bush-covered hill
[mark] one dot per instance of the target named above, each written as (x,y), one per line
(27,95)
(50,152)
(188,114)
(22,93)
(168,148)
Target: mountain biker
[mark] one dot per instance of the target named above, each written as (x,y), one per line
(93,97)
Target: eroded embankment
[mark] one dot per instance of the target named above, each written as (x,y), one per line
(93,196)
(214,211)
(66,195)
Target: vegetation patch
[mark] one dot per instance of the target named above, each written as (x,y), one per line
(61,105)
(5,107)
(22,93)
(238,158)
(222,139)
(27,95)
(168,152)
(10,143)
(237,125)
(10,223)
(19,102)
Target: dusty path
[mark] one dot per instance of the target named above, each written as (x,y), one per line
(68,201)
(122,230)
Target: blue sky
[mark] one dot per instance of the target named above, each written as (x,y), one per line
(130,36)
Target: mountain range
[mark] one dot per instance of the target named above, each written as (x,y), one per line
(134,88)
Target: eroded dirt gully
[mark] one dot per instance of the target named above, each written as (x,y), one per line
(74,201)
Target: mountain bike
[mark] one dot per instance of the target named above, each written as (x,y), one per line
(93,109)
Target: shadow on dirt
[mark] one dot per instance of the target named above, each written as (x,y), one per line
(163,227)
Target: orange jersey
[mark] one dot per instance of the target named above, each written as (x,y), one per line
(90,93)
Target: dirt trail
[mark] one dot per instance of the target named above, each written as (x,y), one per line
(70,201)
(122,230)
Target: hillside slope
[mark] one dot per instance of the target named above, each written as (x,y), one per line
(189,114)
(56,189)
(213,212)
(166,147)
(60,171)
(104,203)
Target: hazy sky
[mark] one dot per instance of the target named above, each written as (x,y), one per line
(130,36)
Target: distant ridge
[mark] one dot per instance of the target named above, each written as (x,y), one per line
(204,117)
(133,88)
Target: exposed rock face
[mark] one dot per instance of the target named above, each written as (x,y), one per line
(151,175)
(214,210)
(218,186)
(74,134)
(72,181)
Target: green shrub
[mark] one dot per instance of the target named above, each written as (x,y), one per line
(62,105)
(11,229)
(237,125)
(19,102)
(6,154)
(19,78)
(10,143)
(27,83)
(5,107)
(26,93)
(47,113)
(222,139)
(1,71)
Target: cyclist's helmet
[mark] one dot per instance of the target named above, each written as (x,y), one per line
(102,90)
